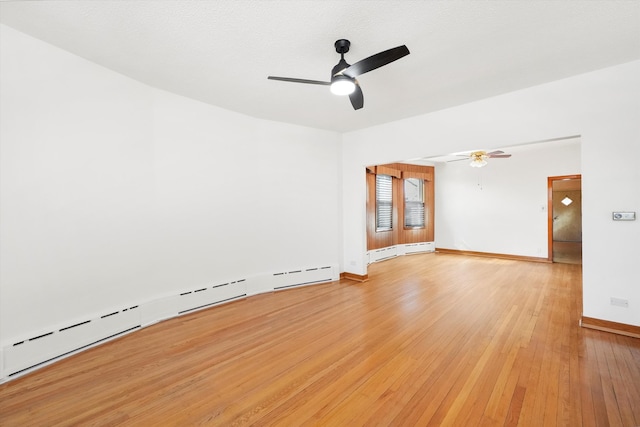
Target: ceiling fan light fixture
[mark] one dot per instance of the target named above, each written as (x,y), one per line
(478,163)
(342,85)
(478,159)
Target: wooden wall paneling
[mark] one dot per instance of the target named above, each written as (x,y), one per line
(399,234)
(430,208)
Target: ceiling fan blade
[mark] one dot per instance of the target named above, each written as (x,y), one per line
(357,98)
(495,152)
(457,160)
(376,61)
(289,79)
(500,156)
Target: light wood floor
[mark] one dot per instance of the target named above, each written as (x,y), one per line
(430,339)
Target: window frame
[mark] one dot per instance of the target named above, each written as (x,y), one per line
(423,186)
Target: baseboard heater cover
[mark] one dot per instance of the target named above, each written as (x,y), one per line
(57,342)
(211,304)
(49,345)
(70,352)
(315,282)
(389,252)
(302,277)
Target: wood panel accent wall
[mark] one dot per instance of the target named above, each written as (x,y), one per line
(399,234)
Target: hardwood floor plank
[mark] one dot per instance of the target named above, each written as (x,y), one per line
(431,339)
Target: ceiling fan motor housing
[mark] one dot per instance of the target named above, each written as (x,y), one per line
(342,46)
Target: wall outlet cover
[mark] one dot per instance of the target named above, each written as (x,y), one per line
(620,302)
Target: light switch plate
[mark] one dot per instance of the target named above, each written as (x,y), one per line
(624,216)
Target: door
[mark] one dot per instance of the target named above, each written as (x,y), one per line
(565,219)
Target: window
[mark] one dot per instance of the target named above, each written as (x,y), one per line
(384,202)
(413,203)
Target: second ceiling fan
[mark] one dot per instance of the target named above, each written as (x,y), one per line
(479,158)
(343,76)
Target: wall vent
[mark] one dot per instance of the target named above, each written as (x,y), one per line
(41,336)
(77,324)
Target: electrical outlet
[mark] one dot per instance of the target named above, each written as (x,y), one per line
(620,302)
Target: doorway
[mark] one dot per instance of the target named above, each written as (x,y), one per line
(565,219)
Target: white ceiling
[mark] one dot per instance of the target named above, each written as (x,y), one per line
(221,52)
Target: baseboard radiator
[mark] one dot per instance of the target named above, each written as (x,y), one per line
(43,347)
(382,254)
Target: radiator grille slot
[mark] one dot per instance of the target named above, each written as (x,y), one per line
(110,314)
(41,336)
(73,326)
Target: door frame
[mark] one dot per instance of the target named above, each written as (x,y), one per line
(550,181)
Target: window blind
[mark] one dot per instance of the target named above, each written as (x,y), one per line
(384,202)
(414,214)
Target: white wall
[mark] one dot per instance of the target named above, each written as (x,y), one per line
(114,192)
(603,107)
(502,207)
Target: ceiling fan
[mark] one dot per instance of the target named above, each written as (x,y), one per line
(343,76)
(479,158)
